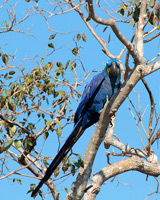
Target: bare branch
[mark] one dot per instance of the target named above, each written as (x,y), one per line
(130,164)
(14,172)
(111,22)
(139,33)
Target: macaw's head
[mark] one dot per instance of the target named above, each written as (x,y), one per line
(113,68)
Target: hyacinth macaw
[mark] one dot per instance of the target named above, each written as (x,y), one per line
(93,99)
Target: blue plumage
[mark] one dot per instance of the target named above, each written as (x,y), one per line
(96,92)
(104,85)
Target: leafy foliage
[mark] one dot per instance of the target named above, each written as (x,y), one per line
(41,93)
(133,9)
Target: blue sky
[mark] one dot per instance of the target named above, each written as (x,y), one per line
(93,59)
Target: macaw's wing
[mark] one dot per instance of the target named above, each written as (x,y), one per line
(88,95)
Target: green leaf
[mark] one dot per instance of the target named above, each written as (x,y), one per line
(45,136)
(105,29)
(21,87)
(61,92)
(136,13)
(72,65)
(7,25)
(57,72)
(152,19)
(59,123)
(66,189)
(73,169)
(8,92)
(29,143)
(5,58)
(12,72)
(75,51)
(78,37)
(88,18)
(132,21)
(65,167)
(151,3)
(59,132)
(52,36)
(59,64)
(17,143)
(84,37)
(47,66)
(32,186)
(67,64)
(9,144)
(134,1)
(129,13)
(121,10)
(2,123)
(48,123)
(9,100)
(124,6)
(19,181)
(13,130)
(45,161)
(109,38)
(51,45)
(158,27)
(56,172)
(23,68)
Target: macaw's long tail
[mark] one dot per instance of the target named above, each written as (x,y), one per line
(72,139)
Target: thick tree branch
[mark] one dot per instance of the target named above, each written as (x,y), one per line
(140,27)
(132,164)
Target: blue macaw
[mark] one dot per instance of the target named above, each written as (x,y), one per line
(104,84)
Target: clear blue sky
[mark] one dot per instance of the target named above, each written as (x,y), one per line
(93,59)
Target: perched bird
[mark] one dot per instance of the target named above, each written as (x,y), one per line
(104,84)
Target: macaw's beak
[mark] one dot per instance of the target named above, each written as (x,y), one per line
(113,70)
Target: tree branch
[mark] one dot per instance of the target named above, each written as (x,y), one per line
(140,27)
(131,164)
(16,124)
(111,22)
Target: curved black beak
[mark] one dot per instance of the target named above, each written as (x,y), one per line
(113,70)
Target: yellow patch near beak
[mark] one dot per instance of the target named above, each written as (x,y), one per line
(108,70)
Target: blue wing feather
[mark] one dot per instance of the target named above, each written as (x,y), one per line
(88,94)
(93,99)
